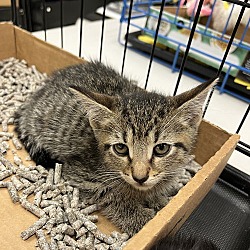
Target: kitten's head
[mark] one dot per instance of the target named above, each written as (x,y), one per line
(145,138)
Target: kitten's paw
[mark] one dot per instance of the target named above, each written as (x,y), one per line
(129,219)
(158,205)
(137,221)
(149,213)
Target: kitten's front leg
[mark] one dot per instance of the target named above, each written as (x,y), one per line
(160,203)
(129,215)
(76,175)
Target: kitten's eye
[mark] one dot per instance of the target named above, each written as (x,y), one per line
(162,149)
(120,149)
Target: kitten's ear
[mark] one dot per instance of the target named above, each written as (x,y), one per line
(88,96)
(190,103)
(98,106)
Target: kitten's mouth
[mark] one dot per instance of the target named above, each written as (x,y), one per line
(140,186)
(143,186)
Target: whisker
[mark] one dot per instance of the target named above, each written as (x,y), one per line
(102,176)
(110,181)
(111,185)
(103,130)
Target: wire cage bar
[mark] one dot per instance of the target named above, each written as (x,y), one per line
(174,19)
(188,47)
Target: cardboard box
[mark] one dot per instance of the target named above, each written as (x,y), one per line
(5,3)
(205,49)
(213,150)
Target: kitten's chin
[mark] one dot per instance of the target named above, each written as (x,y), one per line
(142,187)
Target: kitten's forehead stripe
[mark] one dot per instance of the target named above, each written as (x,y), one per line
(144,111)
(124,136)
(129,159)
(181,145)
(133,131)
(156,136)
(107,147)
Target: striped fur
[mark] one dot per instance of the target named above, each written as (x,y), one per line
(84,110)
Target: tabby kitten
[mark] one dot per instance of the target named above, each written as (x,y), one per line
(121,145)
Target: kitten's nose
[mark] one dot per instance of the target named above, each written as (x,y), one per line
(141,180)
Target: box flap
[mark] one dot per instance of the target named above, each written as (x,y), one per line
(7,40)
(45,56)
(209,134)
(5,3)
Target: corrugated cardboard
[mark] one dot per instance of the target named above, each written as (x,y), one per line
(20,44)
(5,3)
(213,149)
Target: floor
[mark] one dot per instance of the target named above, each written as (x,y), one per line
(224,110)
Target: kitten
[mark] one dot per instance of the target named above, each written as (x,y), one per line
(122,145)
